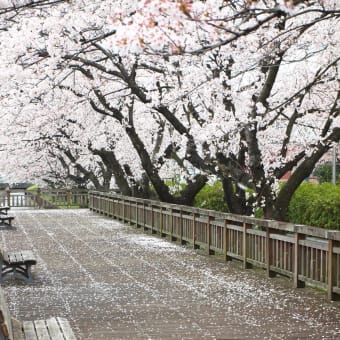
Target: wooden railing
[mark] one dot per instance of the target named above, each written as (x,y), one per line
(304,254)
(45,198)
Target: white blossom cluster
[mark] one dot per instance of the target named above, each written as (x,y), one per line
(201,77)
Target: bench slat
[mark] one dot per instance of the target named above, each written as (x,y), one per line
(41,330)
(17,330)
(29,332)
(51,329)
(17,262)
(66,327)
(22,257)
(54,329)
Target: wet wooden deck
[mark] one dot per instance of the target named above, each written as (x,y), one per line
(113,282)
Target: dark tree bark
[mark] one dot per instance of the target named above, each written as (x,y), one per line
(303,170)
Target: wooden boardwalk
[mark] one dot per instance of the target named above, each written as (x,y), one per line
(113,282)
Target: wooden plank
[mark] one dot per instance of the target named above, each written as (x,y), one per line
(28,329)
(41,330)
(54,329)
(66,328)
(17,330)
(27,255)
(317,244)
(21,257)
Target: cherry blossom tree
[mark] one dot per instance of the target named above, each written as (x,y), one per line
(253,73)
(239,91)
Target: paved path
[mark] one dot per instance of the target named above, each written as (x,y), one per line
(113,282)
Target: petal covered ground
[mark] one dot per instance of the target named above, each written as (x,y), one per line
(111,281)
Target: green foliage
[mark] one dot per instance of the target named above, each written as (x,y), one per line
(211,197)
(175,185)
(35,190)
(324,172)
(33,187)
(316,205)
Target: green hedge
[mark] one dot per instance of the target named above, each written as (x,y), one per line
(312,204)
(316,205)
(211,197)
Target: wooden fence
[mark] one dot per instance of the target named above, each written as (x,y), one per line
(45,198)
(304,254)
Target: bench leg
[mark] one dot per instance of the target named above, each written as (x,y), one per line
(24,271)
(29,274)
(6,270)
(20,271)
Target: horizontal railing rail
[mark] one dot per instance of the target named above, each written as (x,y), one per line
(306,254)
(45,198)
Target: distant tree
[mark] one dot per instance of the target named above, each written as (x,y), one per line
(324,172)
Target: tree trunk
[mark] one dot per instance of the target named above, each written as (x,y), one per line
(299,175)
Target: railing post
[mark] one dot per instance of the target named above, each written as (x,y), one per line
(209,235)
(38,199)
(144,215)
(8,192)
(269,254)
(297,283)
(226,241)
(194,236)
(68,197)
(181,226)
(246,265)
(136,214)
(123,202)
(330,270)
(153,231)
(171,224)
(161,220)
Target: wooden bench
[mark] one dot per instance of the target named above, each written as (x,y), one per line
(18,262)
(4,210)
(55,328)
(6,220)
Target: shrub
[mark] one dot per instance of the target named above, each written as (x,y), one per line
(316,205)
(211,197)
